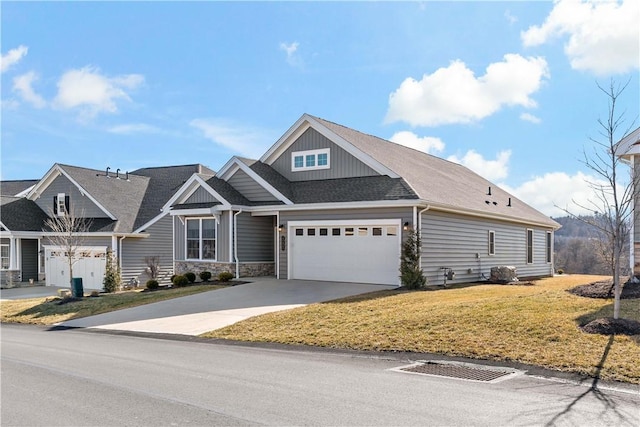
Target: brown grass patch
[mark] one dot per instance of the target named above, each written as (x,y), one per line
(536,325)
(47,311)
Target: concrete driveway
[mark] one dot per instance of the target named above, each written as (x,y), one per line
(196,314)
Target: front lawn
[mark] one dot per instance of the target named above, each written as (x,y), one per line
(47,311)
(536,325)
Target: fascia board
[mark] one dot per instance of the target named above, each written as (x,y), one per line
(329,206)
(497,217)
(25,192)
(188,188)
(150,222)
(190,212)
(264,184)
(307,121)
(98,234)
(5,227)
(228,169)
(273,152)
(628,144)
(52,174)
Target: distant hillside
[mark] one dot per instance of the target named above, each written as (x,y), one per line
(579,249)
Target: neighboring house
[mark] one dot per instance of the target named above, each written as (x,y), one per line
(326,202)
(628,148)
(123,210)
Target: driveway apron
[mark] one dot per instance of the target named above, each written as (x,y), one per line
(207,311)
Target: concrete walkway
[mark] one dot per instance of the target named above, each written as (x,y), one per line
(29,292)
(207,311)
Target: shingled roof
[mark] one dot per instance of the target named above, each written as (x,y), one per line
(439,182)
(14,187)
(20,214)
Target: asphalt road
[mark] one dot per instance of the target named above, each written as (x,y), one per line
(77,377)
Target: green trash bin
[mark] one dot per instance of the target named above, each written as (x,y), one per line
(76,289)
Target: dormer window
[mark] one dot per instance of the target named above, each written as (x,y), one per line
(310,160)
(60,204)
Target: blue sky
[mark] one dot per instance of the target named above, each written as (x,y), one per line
(506,88)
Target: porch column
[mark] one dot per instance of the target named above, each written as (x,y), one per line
(13,258)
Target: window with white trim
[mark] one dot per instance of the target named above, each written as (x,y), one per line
(529,246)
(492,243)
(310,160)
(4,257)
(201,238)
(549,247)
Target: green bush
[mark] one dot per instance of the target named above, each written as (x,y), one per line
(205,276)
(225,276)
(411,275)
(152,284)
(190,276)
(179,280)
(111,279)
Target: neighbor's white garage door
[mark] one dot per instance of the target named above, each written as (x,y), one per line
(90,265)
(347,251)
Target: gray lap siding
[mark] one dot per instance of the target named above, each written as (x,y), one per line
(134,251)
(404,214)
(462,243)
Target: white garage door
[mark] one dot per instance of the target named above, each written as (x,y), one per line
(352,251)
(90,265)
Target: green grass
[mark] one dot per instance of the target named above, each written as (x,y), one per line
(531,324)
(47,311)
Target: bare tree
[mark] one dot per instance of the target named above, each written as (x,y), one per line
(67,231)
(613,201)
(153,266)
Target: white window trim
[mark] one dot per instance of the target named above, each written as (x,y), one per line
(532,246)
(304,155)
(8,256)
(548,248)
(489,251)
(186,239)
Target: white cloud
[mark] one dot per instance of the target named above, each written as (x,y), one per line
(23,86)
(492,170)
(604,36)
(555,191)
(133,128)
(247,141)
(93,92)
(510,18)
(426,144)
(454,95)
(291,50)
(13,57)
(527,117)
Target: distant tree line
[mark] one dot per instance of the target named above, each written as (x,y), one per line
(580,248)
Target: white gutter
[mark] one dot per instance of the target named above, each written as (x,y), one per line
(420,230)
(235,242)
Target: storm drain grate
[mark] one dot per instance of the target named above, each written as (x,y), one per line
(459,370)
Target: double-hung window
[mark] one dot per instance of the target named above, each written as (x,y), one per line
(310,160)
(4,257)
(201,238)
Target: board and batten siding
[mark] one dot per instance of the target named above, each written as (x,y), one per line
(222,237)
(81,205)
(342,164)
(256,238)
(249,188)
(404,214)
(134,251)
(462,244)
(201,196)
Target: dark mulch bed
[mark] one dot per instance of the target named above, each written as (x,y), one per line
(611,326)
(604,289)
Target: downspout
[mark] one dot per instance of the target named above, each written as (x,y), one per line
(634,215)
(120,255)
(420,231)
(235,242)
